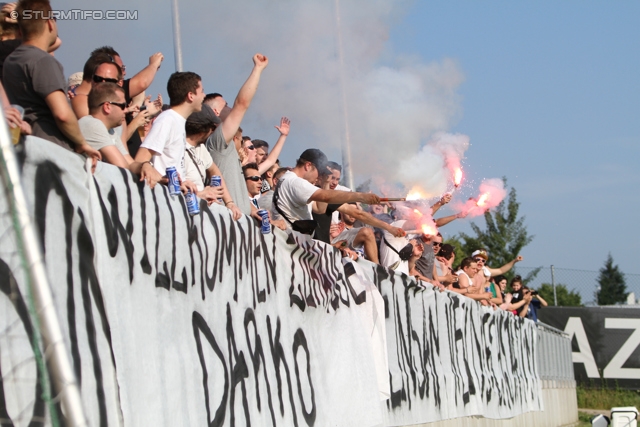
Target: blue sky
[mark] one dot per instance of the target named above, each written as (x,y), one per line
(551,100)
(547,92)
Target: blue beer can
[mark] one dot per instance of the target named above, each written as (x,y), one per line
(192,204)
(216,181)
(174,183)
(266,225)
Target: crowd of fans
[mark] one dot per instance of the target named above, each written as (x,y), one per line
(108,117)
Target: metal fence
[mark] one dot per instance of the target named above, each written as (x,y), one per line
(554,355)
(584,282)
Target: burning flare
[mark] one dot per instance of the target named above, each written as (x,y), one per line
(416,193)
(429,230)
(457,177)
(482,200)
(418,213)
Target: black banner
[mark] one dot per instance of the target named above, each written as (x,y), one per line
(605,343)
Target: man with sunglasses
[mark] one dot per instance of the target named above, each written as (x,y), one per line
(102,129)
(34,79)
(482,279)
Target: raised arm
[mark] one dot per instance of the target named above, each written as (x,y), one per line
(505,268)
(141,81)
(440,203)
(334,196)
(275,152)
(447,219)
(243,100)
(369,219)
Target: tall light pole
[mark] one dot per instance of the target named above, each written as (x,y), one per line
(177,43)
(347,173)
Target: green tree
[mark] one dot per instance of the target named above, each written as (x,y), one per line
(566,298)
(504,237)
(613,288)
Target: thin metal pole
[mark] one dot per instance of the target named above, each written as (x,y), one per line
(347,173)
(58,361)
(177,42)
(553,283)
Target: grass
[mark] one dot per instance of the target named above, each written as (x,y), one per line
(599,398)
(584,419)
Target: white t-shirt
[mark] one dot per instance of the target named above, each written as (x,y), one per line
(335,216)
(196,162)
(388,257)
(98,136)
(294,194)
(461,272)
(168,138)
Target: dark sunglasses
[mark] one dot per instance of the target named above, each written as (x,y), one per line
(250,147)
(99,79)
(254,178)
(436,243)
(479,259)
(122,105)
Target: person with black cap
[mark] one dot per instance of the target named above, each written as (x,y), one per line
(296,196)
(198,164)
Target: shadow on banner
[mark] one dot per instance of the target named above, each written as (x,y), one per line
(604,342)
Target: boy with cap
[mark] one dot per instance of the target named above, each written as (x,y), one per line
(296,196)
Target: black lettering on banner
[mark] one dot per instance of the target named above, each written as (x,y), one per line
(47,179)
(299,340)
(277,354)
(144,262)
(89,283)
(257,356)
(9,288)
(200,327)
(239,372)
(113,228)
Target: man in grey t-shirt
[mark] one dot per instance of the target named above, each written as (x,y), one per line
(35,80)
(102,129)
(223,152)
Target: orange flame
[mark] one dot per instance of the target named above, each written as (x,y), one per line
(429,230)
(418,213)
(416,193)
(457,177)
(482,200)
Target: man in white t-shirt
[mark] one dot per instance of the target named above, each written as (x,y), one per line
(102,129)
(165,144)
(296,196)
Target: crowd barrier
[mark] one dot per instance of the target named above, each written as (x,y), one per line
(177,320)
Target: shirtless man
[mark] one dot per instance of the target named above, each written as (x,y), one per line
(482,279)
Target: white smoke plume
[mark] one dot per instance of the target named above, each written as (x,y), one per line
(431,171)
(393,103)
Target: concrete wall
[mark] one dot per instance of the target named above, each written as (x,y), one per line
(560,403)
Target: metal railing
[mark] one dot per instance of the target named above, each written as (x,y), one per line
(554,355)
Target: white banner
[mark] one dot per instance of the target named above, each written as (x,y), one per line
(178,320)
